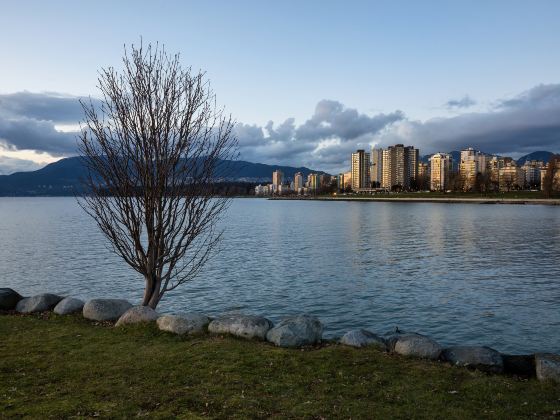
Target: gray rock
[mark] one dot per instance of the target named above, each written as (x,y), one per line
(363,338)
(38,303)
(105,309)
(68,305)
(475,357)
(296,331)
(137,314)
(246,326)
(8,299)
(547,366)
(188,323)
(417,345)
(392,337)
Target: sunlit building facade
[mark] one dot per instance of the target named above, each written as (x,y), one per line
(441,165)
(400,166)
(277,178)
(472,163)
(313,182)
(298,181)
(360,170)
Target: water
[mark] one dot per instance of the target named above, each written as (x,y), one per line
(463,274)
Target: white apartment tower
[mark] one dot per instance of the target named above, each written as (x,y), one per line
(298,181)
(441,166)
(277,177)
(472,163)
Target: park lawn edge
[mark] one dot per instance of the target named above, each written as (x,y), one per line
(68,367)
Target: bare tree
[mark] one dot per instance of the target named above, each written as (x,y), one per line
(153,150)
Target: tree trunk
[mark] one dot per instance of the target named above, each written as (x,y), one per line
(152,292)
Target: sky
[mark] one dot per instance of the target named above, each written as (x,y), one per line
(307,82)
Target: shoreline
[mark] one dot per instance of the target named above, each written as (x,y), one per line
(442,200)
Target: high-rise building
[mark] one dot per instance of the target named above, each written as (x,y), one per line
(400,166)
(441,167)
(412,159)
(360,170)
(512,177)
(472,163)
(376,171)
(298,181)
(532,170)
(313,182)
(423,180)
(277,177)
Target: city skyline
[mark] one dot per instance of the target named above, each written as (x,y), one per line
(398,168)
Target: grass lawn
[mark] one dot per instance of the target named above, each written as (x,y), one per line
(52,366)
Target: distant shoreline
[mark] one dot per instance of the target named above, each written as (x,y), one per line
(444,200)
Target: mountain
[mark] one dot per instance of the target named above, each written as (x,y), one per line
(540,155)
(63,177)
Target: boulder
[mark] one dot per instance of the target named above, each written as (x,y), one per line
(363,338)
(417,345)
(246,326)
(519,364)
(105,309)
(137,314)
(68,305)
(8,299)
(296,331)
(38,303)
(188,323)
(393,336)
(547,366)
(475,357)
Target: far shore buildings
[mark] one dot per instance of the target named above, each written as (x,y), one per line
(376,170)
(360,170)
(441,166)
(313,182)
(344,181)
(512,177)
(277,178)
(298,182)
(472,163)
(399,167)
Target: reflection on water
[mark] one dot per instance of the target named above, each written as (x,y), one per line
(462,273)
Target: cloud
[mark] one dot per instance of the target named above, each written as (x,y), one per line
(527,122)
(512,126)
(30,134)
(465,102)
(9,165)
(28,122)
(56,107)
(324,141)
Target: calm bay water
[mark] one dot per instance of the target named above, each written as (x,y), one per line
(463,274)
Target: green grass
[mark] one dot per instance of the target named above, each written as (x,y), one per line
(62,367)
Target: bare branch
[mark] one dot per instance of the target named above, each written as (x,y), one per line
(153,151)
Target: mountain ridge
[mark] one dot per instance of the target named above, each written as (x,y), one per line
(63,177)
